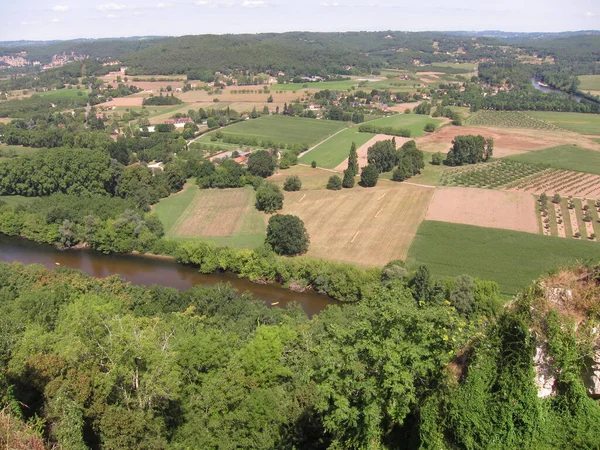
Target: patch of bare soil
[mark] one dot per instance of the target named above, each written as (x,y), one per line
(484,208)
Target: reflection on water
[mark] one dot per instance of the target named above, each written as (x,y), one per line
(148,271)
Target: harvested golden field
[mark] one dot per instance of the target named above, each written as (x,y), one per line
(507,142)
(484,208)
(228,95)
(365,226)
(311,178)
(219,212)
(122,101)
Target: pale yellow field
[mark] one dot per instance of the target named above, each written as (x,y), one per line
(365,226)
(312,179)
(484,208)
(220,212)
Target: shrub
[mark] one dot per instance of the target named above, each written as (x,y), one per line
(437,158)
(348,181)
(292,183)
(556,199)
(334,183)
(429,127)
(313,164)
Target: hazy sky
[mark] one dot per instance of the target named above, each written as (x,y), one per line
(68,19)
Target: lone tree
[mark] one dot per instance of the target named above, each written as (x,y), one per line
(261,164)
(369,176)
(292,183)
(437,159)
(269,198)
(353,160)
(348,181)
(287,235)
(334,183)
(469,150)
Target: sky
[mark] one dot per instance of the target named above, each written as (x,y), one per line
(70,19)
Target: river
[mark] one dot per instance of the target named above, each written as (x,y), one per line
(536,84)
(143,270)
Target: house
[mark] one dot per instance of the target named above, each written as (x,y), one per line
(242,159)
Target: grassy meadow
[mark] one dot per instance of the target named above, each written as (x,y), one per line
(577,122)
(332,152)
(511,258)
(332,85)
(412,122)
(291,130)
(64,93)
(566,157)
(589,83)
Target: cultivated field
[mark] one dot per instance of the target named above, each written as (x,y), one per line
(334,151)
(223,216)
(567,157)
(511,258)
(577,122)
(285,129)
(563,182)
(484,208)
(590,83)
(365,226)
(507,142)
(311,178)
(332,85)
(412,122)
(492,175)
(507,119)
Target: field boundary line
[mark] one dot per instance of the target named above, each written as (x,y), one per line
(355,236)
(302,198)
(323,141)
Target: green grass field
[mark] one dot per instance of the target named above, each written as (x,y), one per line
(412,122)
(566,157)
(511,258)
(170,208)
(507,119)
(289,130)
(333,85)
(577,122)
(331,153)
(589,83)
(64,93)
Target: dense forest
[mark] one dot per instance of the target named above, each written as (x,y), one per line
(416,364)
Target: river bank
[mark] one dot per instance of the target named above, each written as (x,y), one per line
(148,270)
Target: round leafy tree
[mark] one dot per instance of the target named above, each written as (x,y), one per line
(261,164)
(334,183)
(369,176)
(287,235)
(269,198)
(292,183)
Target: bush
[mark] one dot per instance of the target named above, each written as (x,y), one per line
(292,183)
(369,176)
(334,183)
(429,127)
(348,181)
(556,199)
(269,198)
(287,235)
(437,158)
(313,164)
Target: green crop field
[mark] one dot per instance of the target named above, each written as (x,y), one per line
(289,130)
(17,150)
(332,152)
(577,122)
(64,93)
(412,122)
(333,85)
(566,157)
(393,85)
(589,83)
(489,175)
(507,119)
(511,258)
